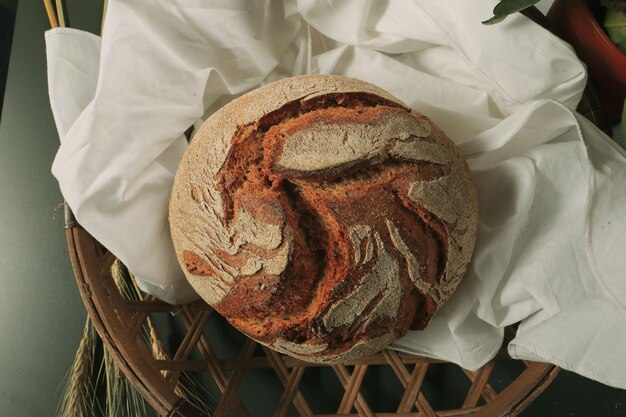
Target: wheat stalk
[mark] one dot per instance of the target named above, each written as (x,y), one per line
(156,346)
(121,397)
(122,400)
(78,396)
(118,272)
(187,387)
(52,17)
(60,14)
(119,390)
(105,5)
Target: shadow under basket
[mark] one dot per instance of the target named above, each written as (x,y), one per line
(247,379)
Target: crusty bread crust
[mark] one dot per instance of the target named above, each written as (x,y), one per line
(322,217)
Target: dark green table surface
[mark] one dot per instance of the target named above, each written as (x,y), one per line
(41,314)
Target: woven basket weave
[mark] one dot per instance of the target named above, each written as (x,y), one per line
(122,324)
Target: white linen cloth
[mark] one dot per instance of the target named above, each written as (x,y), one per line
(552,188)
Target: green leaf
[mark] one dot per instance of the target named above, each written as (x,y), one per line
(493,20)
(507,7)
(615,24)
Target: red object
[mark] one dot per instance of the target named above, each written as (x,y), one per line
(574,21)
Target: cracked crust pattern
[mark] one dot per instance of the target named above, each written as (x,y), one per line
(322,217)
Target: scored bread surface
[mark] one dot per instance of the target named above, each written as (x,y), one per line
(322,217)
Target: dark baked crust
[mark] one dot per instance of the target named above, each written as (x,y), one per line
(320,234)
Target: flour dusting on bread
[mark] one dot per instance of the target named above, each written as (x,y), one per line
(322,217)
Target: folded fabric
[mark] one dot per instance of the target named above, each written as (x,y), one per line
(551,186)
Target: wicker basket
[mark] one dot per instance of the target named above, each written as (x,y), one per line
(122,324)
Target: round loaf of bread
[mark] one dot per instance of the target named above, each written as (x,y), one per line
(322,217)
